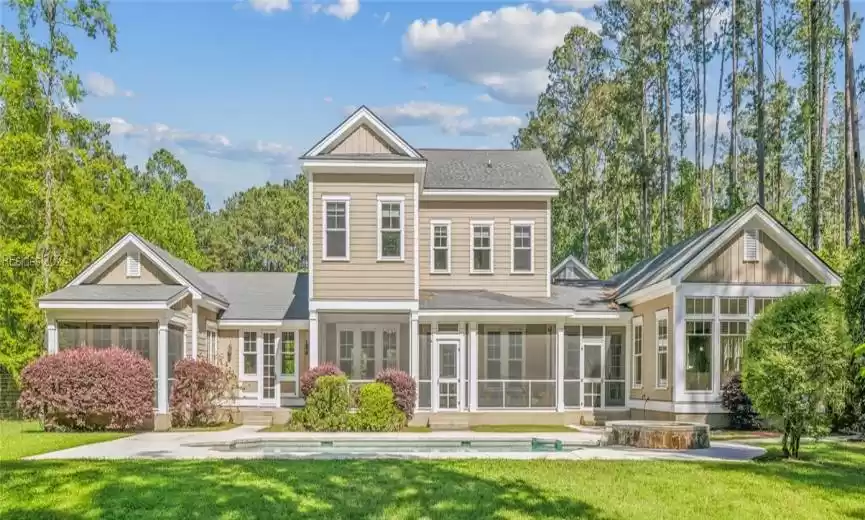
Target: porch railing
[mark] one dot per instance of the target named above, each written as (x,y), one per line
(516,393)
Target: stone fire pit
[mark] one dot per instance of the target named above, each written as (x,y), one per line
(657,435)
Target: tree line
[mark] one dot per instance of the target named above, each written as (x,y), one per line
(644,158)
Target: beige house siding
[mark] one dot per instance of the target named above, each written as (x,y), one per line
(183,315)
(363,141)
(647,311)
(364,277)
(775,266)
(205,317)
(150,274)
(227,347)
(461,214)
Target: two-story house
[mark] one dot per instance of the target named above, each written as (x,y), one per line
(437,262)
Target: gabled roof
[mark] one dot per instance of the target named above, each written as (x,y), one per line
(463,169)
(263,296)
(679,260)
(363,116)
(121,293)
(191,274)
(580,267)
(583,295)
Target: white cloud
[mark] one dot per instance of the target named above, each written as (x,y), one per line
(484,126)
(270,6)
(415,113)
(484,98)
(328,99)
(385,18)
(69,106)
(577,4)
(343,9)
(102,86)
(212,145)
(505,51)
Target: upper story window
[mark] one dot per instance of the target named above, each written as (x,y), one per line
(482,247)
(440,261)
(733,306)
(336,228)
(390,228)
(133,264)
(699,306)
(521,255)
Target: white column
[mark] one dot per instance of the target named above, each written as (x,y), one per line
(560,367)
(52,337)
(461,387)
(434,366)
(313,339)
(473,367)
(414,354)
(162,368)
(194,343)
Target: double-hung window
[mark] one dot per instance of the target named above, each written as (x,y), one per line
(288,360)
(390,228)
(250,354)
(211,345)
(733,335)
(336,228)
(637,354)
(662,344)
(521,255)
(440,260)
(482,247)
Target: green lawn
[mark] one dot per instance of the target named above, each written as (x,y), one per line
(22,438)
(829,483)
(522,428)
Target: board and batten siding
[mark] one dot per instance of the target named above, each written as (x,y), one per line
(647,311)
(150,274)
(362,141)
(774,267)
(502,213)
(363,277)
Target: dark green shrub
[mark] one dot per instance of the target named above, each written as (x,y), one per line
(376,411)
(327,406)
(737,402)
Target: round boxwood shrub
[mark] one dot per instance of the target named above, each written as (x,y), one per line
(327,406)
(199,386)
(404,389)
(376,411)
(308,379)
(88,389)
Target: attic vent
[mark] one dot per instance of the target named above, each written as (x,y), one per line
(133,265)
(752,245)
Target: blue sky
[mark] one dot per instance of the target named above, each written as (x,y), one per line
(239,89)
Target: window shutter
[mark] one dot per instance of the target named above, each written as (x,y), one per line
(133,265)
(752,245)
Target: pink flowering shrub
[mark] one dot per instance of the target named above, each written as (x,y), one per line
(199,386)
(307,380)
(404,389)
(88,389)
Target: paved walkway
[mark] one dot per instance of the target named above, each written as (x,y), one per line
(214,445)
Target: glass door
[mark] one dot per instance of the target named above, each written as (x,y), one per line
(269,376)
(593,360)
(448,356)
(287,356)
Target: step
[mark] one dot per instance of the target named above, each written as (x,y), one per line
(449,422)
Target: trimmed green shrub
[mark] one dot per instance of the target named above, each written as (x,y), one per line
(327,406)
(796,363)
(376,410)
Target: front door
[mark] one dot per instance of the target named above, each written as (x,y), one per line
(447,353)
(592,354)
(269,383)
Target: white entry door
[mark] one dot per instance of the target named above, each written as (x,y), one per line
(592,362)
(447,356)
(269,379)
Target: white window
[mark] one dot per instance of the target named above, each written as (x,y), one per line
(288,359)
(699,306)
(505,353)
(637,375)
(390,346)
(662,333)
(440,255)
(733,335)
(249,363)
(494,355)
(482,247)
(346,349)
(336,228)
(761,304)
(752,245)
(698,349)
(390,228)
(516,346)
(133,265)
(212,349)
(733,306)
(522,234)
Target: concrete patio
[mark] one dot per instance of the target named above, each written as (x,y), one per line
(205,445)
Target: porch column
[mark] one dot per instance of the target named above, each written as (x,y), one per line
(162,368)
(560,367)
(414,354)
(473,366)
(313,339)
(194,342)
(51,336)
(434,367)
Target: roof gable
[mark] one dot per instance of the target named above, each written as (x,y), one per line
(570,265)
(360,135)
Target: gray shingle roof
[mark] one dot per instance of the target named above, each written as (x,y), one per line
(487,169)
(191,274)
(120,293)
(481,300)
(586,295)
(263,296)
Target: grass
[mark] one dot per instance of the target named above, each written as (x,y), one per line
(23,438)
(829,483)
(521,428)
(739,435)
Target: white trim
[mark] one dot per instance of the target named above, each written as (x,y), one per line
(675,407)
(637,322)
(432,225)
(287,324)
(361,116)
(363,305)
(481,223)
(473,366)
(531,225)
(662,315)
(194,331)
(385,199)
(697,290)
(549,249)
(133,264)
(127,239)
(313,339)
(113,305)
(416,239)
(552,313)
(510,194)
(241,373)
(309,250)
(560,367)
(162,368)
(346,199)
(648,293)
(381,167)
